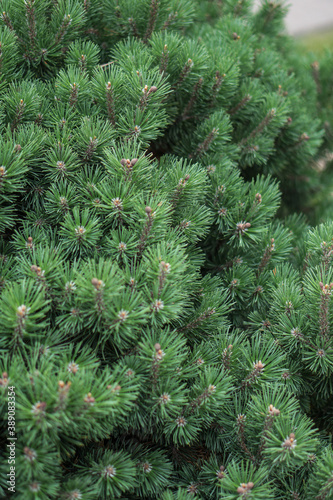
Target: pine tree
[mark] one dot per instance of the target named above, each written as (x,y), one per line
(165,304)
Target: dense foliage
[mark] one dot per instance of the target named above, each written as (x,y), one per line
(165,301)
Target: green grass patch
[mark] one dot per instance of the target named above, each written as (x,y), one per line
(317,42)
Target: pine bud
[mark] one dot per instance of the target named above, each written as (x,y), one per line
(123,161)
(273,411)
(29,454)
(94,282)
(164,399)
(290,442)
(39,408)
(4,380)
(241,490)
(148,210)
(115,389)
(123,315)
(109,471)
(157,347)
(147,467)
(241,227)
(34,487)
(133,162)
(153,88)
(72,367)
(89,399)
(250,486)
(181,421)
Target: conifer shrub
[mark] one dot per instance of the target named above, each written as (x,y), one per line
(165,304)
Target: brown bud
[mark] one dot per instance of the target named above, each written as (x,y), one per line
(247,224)
(94,282)
(222,468)
(148,210)
(157,347)
(292,435)
(241,490)
(220,475)
(30,239)
(187,177)
(34,269)
(250,486)
(133,162)
(153,88)
(123,161)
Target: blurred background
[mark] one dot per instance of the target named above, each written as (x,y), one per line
(312,22)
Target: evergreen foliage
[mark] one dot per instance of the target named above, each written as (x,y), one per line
(165,304)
